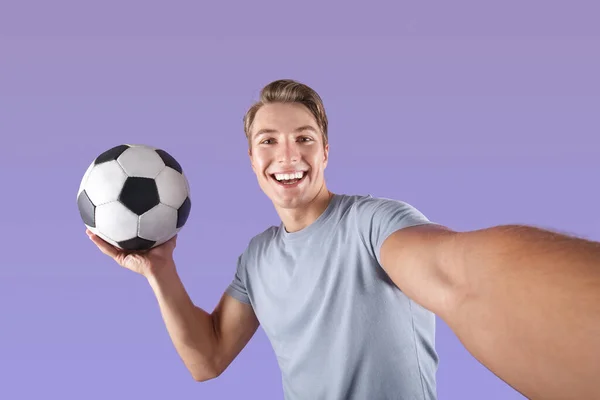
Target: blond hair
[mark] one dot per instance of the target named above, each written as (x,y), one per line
(289,91)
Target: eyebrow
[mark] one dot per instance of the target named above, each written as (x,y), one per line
(267,131)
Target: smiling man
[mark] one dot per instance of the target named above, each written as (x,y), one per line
(347,286)
(339,326)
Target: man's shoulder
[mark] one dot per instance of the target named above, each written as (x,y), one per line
(364,202)
(369,209)
(262,239)
(266,235)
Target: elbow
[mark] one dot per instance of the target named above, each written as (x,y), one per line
(205,375)
(205,372)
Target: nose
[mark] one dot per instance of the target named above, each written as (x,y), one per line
(288,152)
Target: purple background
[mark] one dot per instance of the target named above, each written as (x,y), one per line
(476,114)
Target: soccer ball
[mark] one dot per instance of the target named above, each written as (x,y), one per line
(135,197)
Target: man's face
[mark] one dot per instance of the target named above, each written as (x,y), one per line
(287,154)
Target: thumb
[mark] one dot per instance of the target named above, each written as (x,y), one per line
(131,260)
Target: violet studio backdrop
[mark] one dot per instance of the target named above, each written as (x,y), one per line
(476,114)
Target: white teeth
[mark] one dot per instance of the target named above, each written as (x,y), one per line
(287,177)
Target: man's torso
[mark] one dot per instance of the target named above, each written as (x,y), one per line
(338,325)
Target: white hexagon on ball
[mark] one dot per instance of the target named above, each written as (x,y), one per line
(116,222)
(141,161)
(158,224)
(105,182)
(172,187)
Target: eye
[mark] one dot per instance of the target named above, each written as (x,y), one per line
(306,139)
(267,141)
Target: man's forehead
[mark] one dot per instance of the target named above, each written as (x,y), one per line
(271,119)
(277,111)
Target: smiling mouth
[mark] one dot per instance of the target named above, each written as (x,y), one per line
(289,179)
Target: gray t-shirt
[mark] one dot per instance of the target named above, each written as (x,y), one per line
(340,328)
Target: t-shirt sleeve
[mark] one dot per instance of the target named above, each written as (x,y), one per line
(237,288)
(378,218)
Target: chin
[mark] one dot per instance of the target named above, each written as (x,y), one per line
(288,201)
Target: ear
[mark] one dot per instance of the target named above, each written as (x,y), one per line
(250,156)
(325,155)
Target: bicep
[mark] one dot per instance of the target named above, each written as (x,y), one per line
(234,323)
(419,260)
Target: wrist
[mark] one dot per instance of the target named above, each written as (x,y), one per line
(164,273)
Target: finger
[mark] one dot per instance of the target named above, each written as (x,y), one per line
(104,246)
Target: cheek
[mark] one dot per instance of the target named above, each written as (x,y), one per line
(317,160)
(260,163)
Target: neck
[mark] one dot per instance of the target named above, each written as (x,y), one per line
(295,220)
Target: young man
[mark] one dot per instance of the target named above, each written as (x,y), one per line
(347,287)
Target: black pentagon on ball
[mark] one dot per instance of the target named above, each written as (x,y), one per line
(183,212)
(87,209)
(136,244)
(139,194)
(111,154)
(169,160)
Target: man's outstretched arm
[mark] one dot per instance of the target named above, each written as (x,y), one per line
(523,301)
